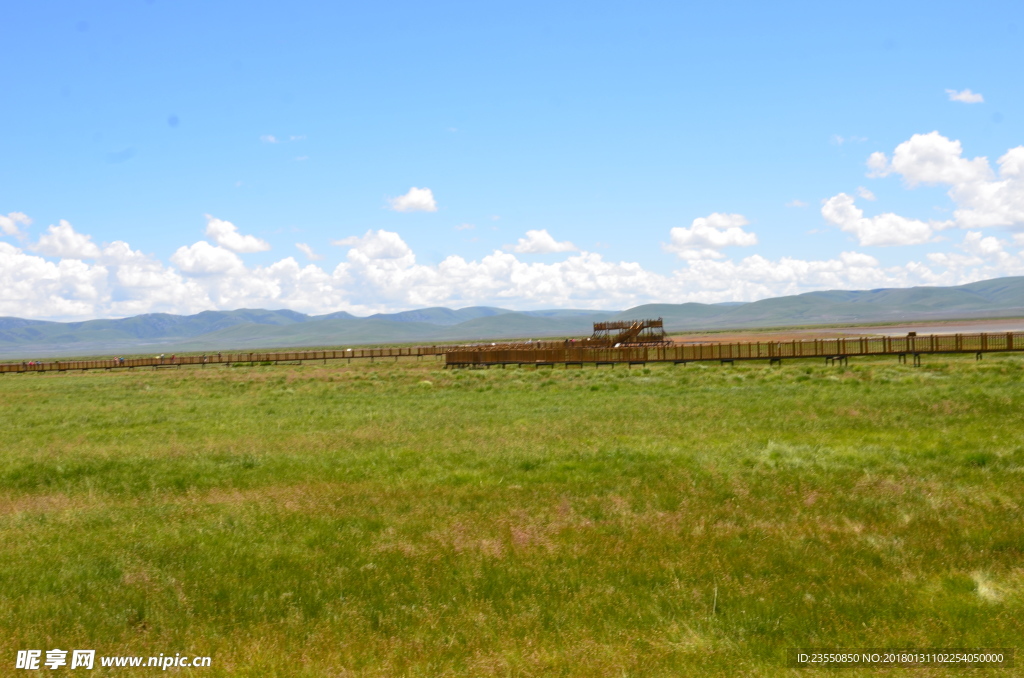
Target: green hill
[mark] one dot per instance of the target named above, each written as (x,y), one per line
(258,328)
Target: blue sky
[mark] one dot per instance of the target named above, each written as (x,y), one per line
(587,155)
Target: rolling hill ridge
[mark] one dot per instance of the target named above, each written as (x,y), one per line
(259,328)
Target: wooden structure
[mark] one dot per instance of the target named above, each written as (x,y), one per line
(832,350)
(570,352)
(349,354)
(629,333)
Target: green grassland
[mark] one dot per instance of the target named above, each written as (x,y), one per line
(396,519)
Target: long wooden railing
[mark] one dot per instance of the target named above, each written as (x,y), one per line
(570,352)
(224,358)
(755,350)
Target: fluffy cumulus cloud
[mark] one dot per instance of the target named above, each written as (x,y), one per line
(756,277)
(381,267)
(983,246)
(202,258)
(380,272)
(36,287)
(66,275)
(979,256)
(965,96)
(416,200)
(120,282)
(878,165)
(226,234)
(707,235)
(884,229)
(540,242)
(984,196)
(12,222)
(377,246)
(63,241)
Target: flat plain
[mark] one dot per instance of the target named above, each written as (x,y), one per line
(397,519)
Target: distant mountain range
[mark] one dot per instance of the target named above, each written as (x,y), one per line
(247,328)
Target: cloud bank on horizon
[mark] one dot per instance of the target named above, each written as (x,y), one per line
(64,274)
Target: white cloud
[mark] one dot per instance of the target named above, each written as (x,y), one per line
(416,200)
(966,96)
(695,253)
(122,282)
(796,203)
(202,258)
(933,159)
(984,198)
(756,277)
(858,260)
(269,139)
(377,246)
(465,227)
(865,193)
(308,251)
(975,243)
(63,241)
(878,165)
(707,235)
(381,273)
(297,137)
(983,257)
(884,229)
(9,223)
(226,234)
(35,287)
(540,242)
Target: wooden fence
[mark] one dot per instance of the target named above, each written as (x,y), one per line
(760,350)
(569,353)
(224,359)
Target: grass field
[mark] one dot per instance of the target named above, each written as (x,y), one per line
(396,519)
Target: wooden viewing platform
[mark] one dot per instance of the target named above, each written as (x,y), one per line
(832,350)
